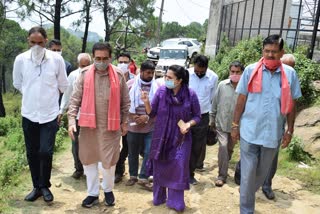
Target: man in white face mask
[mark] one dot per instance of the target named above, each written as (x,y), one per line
(40,76)
(124,60)
(56,46)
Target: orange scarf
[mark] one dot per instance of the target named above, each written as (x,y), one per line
(255,86)
(88,111)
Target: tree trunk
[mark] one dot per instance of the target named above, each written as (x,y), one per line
(3,80)
(126,35)
(57,18)
(87,20)
(106,20)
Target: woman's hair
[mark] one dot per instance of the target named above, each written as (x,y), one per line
(181,73)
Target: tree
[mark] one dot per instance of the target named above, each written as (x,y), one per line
(193,30)
(12,42)
(172,30)
(51,11)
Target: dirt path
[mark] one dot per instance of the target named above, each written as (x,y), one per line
(202,198)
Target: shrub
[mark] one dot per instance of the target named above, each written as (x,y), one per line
(60,138)
(7,123)
(296,152)
(15,141)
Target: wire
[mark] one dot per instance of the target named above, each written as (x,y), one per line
(184,11)
(198,5)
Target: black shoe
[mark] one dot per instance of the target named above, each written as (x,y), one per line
(47,195)
(77,174)
(117,178)
(33,195)
(268,193)
(109,198)
(89,201)
(193,181)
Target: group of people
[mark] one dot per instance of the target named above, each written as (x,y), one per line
(165,121)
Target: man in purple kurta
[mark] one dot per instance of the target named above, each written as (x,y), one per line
(170,148)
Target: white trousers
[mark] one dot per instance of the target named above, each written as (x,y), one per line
(92,173)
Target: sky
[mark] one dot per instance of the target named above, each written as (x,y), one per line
(182,11)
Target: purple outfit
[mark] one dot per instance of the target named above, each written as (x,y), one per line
(170,150)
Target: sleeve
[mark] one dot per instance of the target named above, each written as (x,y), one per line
(214,106)
(75,100)
(62,76)
(155,103)
(195,107)
(242,87)
(17,73)
(125,100)
(295,87)
(66,95)
(215,85)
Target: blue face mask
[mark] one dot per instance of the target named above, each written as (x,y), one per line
(170,84)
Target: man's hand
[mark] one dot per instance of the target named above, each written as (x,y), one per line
(286,140)
(235,134)
(59,119)
(144,96)
(141,119)
(124,129)
(71,131)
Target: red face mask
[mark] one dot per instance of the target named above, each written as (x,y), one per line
(234,77)
(271,64)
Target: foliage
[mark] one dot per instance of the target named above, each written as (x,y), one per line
(308,71)
(296,152)
(60,138)
(139,58)
(8,123)
(246,51)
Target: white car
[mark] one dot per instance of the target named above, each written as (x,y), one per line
(193,45)
(171,55)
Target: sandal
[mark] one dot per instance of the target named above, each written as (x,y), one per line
(131,181)
(219,183)
(146,185)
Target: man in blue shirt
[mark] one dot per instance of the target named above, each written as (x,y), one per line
(267,93)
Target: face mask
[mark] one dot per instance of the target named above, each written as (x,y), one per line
(37,54)
(101,66)
(234,77)
(201,75)
(170,84)
(123,67)
(271,64)
(59,52)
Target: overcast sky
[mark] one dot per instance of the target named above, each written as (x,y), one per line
(182,11)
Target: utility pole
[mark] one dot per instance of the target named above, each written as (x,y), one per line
(160,22)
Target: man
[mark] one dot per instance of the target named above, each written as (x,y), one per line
(102,94)
(267,93)
(123,64)
(221,117)
(56,46)
(84,60)
(204,82)
(40,76)
(287,59)
(140,126)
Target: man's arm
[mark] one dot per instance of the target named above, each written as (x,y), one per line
(235,132)
(17,75)
(290,126)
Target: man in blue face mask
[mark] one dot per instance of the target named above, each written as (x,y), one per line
(204,82)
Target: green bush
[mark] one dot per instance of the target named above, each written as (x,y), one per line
(60,138)
(7,123)
(296,152)
(15,141)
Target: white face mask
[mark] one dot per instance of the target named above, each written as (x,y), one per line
(59,52)
(123,67)
(37,54)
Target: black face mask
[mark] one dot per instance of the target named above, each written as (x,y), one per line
(201,75)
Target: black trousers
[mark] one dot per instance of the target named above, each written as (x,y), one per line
(39,141)
(75,150)
(120,167)
(199,142)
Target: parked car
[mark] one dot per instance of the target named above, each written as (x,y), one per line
(194,47)
(171,55)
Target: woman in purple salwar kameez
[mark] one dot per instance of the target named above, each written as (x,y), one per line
(171,144)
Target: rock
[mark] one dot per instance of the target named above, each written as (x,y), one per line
(58,185)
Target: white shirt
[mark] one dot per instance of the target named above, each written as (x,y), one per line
(40,85)
(204,87)
(67,94)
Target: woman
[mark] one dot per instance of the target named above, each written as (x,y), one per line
(177,109)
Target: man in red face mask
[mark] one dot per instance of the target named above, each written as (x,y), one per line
(266,102)
(221,118)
